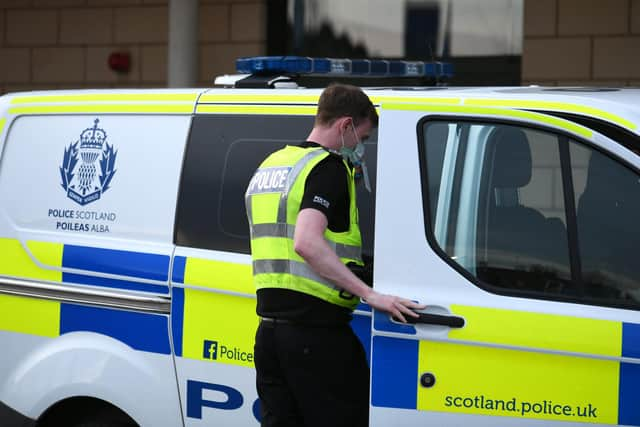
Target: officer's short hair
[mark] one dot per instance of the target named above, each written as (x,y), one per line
(340,100)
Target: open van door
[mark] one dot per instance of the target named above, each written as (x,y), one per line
(517,230)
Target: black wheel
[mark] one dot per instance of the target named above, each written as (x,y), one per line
(85,412)
(104,420)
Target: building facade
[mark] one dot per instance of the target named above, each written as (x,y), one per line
(60,44)
(581,42)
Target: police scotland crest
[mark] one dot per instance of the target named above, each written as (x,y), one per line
(88,166)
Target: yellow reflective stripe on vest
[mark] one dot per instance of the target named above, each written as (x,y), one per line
(306,280)
(288,266)
(287,231)
(272,230)
(291,178)
(345,251)
(283,248)
(274,248)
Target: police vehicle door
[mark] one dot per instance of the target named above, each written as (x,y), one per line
(519,237)
(213,297)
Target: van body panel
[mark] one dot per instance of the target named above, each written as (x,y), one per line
(515,357)
(125,270)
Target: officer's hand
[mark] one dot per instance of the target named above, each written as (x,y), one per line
(395,306)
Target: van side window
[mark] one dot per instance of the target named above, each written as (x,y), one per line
(222,154)
(519,210)
(608,207)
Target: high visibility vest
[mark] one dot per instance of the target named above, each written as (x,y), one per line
(273,202)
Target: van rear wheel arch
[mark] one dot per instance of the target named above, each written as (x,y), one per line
(84,411)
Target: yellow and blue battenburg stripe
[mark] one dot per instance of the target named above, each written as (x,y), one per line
(137,265)
(141,331)
(221,308)
(361,325)
(16,262)
(218,306)
(534,366)
(177,304)
(40,317)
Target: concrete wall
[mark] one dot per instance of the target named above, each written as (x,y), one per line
(51,44)
(581,42)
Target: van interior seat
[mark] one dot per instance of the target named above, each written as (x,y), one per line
(518,237)
(607,214)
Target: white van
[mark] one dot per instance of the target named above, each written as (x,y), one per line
(126,294)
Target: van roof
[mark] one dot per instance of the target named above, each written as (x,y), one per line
(602,103)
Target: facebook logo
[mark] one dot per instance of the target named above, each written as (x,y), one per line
(210,350)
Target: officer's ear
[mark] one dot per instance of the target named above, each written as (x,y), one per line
(344,123)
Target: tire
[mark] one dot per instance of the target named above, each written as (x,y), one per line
(86,412)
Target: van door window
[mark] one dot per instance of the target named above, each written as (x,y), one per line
(502,204)
(607,201)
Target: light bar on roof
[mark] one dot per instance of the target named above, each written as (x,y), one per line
(343,67)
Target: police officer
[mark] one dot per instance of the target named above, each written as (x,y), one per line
(301,203)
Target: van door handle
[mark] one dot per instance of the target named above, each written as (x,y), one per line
(436,319)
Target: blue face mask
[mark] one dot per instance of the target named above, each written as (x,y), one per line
(355,155)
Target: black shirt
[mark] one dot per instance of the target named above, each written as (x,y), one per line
(327,190)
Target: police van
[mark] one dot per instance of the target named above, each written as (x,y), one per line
(126,293)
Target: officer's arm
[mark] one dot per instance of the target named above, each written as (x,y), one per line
(310,244)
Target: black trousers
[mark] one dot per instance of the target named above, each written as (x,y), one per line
(310,376)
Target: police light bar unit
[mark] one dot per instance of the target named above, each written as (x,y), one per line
(301,65)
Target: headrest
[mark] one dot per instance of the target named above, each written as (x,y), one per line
(609,179)
(511,158)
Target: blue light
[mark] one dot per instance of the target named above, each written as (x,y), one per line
(265,64)
(408,68)
(322,65)
(379,67)
(342,67)
(430,69)
(447,69)
(360,66)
